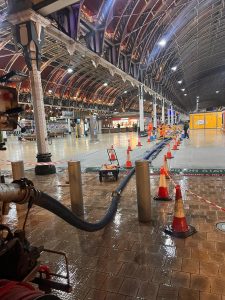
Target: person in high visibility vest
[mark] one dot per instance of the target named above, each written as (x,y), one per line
(150,128)
(163,130)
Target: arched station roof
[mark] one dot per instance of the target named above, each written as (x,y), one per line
(168,45)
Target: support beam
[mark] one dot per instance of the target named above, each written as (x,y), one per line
(47,7)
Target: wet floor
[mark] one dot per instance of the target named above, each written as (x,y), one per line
(204,150)
(127,259)
(71,148)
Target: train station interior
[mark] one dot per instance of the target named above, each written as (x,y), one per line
(112,149)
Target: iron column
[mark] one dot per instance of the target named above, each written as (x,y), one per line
(154,112)
(163,111)
(28,29)
(141,108)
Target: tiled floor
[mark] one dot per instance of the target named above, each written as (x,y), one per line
(204,150)
(130,260)
(127,259)
(70,148)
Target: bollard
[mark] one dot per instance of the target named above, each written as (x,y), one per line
(17,174)
(143,190)
(4,206)
(76,194)
(17,170)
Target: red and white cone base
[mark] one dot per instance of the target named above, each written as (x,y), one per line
(191,230)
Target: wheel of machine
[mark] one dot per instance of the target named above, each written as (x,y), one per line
(100,177)
(48,297)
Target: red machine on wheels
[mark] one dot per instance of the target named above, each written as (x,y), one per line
(19,261)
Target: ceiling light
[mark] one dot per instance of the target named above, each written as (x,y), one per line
(185,95)
(105,84)
(217,92)
(182,90)
(70,70)
(125,92)
(197,97)
(162,43)
(174,68)
(179,82)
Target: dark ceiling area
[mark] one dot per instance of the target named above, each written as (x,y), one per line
(174,47)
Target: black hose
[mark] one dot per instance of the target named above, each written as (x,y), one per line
(51,204)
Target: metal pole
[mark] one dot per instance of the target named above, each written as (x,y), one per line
(168,115)
(17,170)
(163,111)
(154,113)
(172,118)
(93,129)
(141,108)
(143,190)
(76,194)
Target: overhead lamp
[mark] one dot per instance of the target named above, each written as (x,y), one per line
(197,97)
(185,95)
(179,82)
(174,68)
(162,43)
(105,83)
(125,92)
(217,92)
(182,90)
(70,70)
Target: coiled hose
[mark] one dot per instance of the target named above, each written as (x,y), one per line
(47,202)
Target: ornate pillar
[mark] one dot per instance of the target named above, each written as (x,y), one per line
(100,126)
(141,109)
(168,115)
(69,125)
(93,129)
(28,29)
(154,113)
(163,111)
(171,114)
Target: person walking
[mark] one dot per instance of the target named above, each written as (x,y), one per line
(186,130)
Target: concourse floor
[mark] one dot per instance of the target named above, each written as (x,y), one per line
(204,150)
(71,148)
(128,260)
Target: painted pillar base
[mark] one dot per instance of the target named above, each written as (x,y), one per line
(94,140)
(44,169)
(2,146)
(143,133)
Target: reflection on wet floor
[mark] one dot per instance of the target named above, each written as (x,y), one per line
(127,259)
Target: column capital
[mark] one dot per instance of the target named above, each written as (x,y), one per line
(28,31)
(28,15)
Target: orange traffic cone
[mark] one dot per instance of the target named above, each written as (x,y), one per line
(129,146)
(128,162)
(169,154)
(139,142)
(175,146)
(163,193)
(179,227)
(112,155)
(166,167)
